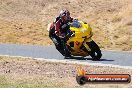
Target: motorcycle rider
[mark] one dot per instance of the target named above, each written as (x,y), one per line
(58,30)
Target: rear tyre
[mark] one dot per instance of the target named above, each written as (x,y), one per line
(61,50)
(67,54)
(65,49)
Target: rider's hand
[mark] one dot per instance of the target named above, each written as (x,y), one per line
(57,33)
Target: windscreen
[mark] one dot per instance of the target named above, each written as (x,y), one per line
(76,24)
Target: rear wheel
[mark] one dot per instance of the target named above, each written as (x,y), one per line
(65,49)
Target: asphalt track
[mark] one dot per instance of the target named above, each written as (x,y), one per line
(49,52)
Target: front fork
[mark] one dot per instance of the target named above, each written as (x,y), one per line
(92,48)
(86,45)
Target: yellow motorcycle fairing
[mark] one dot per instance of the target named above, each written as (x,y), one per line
(82,35)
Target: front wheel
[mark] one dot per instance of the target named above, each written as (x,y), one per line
(95,52)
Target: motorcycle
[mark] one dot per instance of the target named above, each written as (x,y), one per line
(79,41)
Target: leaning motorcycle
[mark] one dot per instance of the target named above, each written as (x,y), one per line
(79,41)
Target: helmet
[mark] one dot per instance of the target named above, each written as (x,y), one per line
(65,13)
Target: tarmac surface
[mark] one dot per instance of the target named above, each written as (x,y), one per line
(120,58)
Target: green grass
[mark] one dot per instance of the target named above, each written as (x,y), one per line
(6,82)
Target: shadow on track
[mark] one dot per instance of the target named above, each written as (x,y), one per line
(84,58)
(106,60)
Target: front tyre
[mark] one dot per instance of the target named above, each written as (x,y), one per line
(95,51)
